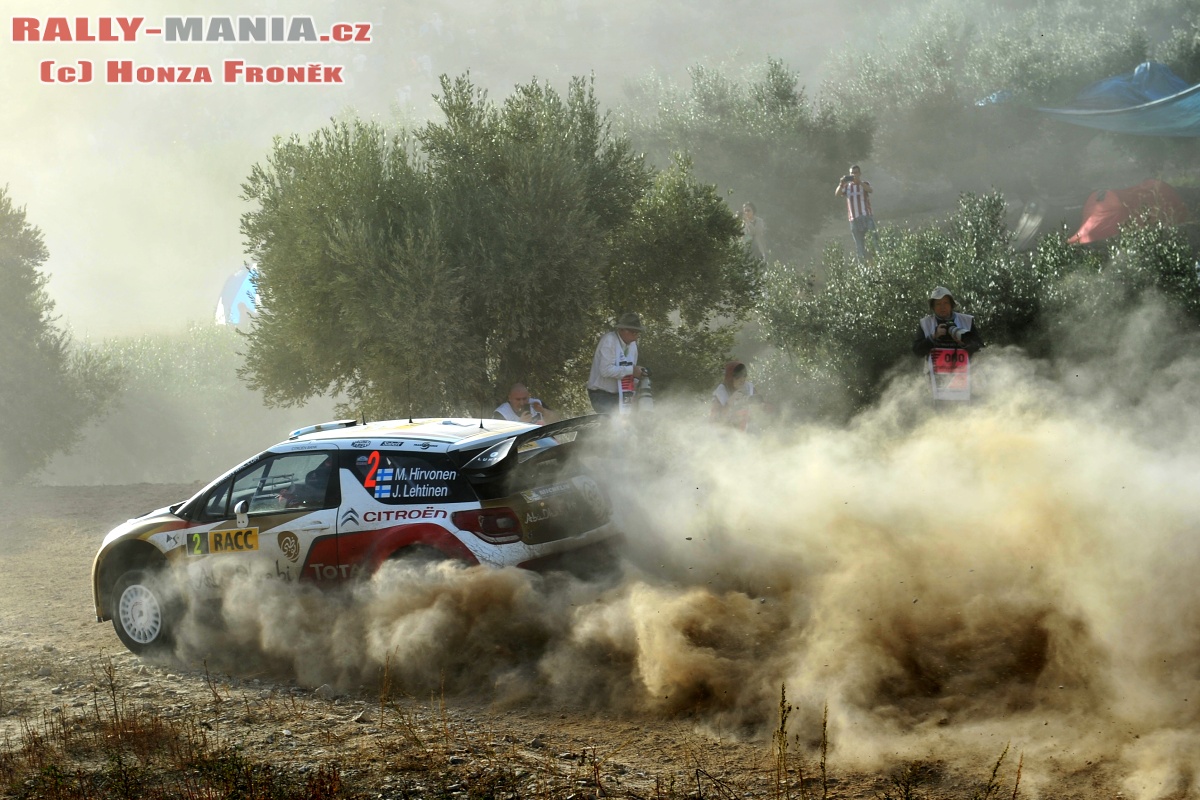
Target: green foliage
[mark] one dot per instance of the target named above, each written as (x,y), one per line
(49,391)
(921,87)
(755,134)
(1079,312)
(1181,51)
(1061,301)
(424,273)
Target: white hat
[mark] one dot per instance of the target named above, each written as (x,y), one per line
(939,293)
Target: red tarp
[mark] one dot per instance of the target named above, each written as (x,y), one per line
(1108,208)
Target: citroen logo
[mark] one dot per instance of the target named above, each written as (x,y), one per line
(350,517)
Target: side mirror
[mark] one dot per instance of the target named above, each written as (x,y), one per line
(241,509)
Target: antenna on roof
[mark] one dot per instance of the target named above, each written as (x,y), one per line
(481,416)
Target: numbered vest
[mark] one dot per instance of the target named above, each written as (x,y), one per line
(950,373)
(626,387)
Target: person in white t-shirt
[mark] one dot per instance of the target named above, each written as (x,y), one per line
(521,407)
(731,398)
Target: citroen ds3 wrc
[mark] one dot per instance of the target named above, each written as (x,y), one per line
(335,501)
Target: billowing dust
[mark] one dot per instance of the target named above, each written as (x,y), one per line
(1018,572)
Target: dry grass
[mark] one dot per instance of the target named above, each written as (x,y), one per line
(117,745)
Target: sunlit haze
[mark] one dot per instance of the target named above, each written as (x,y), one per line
(137,186)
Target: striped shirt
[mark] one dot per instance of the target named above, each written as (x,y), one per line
(858,202)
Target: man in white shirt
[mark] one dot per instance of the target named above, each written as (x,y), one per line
(520,407)
(614,366)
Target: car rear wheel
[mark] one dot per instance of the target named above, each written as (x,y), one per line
(145,611)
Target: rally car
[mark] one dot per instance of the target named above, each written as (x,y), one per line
(335,501)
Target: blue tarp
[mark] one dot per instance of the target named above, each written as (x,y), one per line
(239,298)
(1151,101)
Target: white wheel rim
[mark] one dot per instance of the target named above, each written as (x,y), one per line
(141,614)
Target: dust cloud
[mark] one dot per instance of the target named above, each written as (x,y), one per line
(1018,572)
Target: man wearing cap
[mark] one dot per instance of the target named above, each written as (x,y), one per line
(615,359)
(946,327)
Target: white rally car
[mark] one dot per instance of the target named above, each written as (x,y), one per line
(337,500)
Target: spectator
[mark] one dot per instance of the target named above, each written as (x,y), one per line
(520,407)
(858,202)
(732,397)
(946,339)
(615,370)
(754,229)
(945,327)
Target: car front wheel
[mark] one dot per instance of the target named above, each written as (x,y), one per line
(144,611)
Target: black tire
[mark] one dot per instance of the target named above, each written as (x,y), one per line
(145,611)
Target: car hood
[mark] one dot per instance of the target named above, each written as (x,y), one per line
(160,519)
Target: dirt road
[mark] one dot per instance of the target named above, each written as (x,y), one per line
(57,660)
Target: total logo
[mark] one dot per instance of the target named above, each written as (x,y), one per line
(350,517)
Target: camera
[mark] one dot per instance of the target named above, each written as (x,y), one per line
(847,178)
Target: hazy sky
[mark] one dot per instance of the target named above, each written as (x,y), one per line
(136,186)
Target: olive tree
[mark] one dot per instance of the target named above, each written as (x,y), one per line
(50,389)
(847,332)
(424,271)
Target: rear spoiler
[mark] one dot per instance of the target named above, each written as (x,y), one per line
(504,455)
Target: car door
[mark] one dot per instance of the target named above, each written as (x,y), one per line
(266,518)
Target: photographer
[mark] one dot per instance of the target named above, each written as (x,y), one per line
(858,204)
(520,407)
(945,327)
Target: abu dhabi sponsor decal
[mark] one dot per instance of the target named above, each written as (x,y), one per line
(289,545)
(539,514)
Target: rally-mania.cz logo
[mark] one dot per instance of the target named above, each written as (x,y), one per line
(244,30)
(213,30)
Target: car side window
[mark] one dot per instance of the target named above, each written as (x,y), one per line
(398,478)
(287,482)
(216,506)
